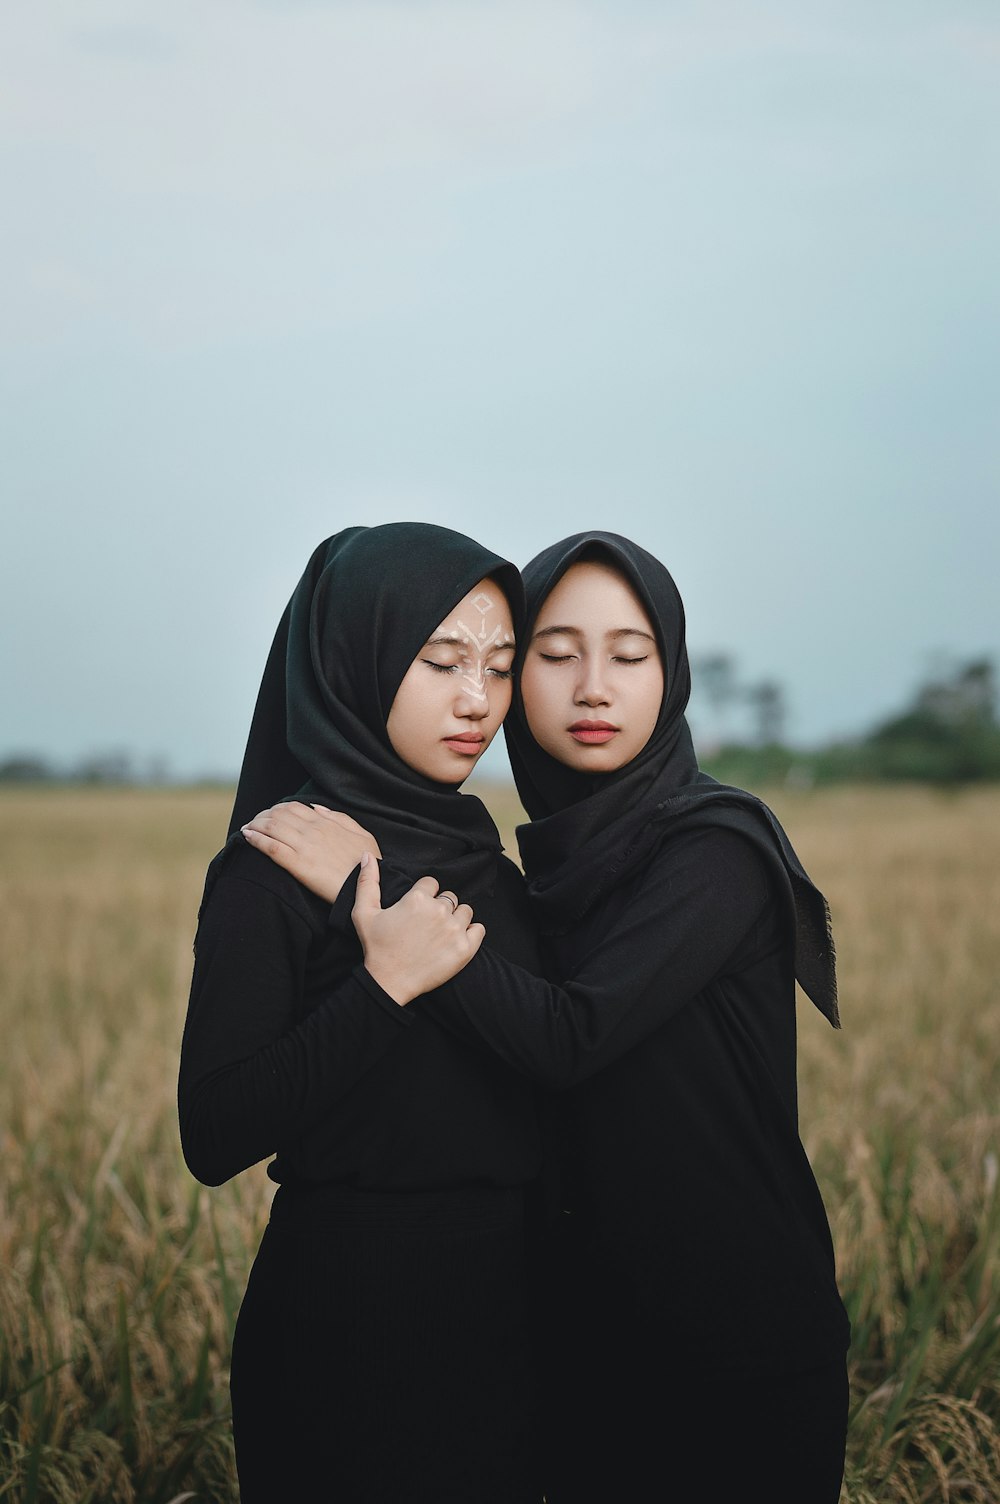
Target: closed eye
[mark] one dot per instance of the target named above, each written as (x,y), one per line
(568,658)
(453,668)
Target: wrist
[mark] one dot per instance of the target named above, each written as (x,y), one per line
(391,982)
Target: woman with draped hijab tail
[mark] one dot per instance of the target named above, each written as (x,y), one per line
(381,1353)
(694,1234)
(695,1337)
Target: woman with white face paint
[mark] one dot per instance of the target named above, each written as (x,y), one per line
(381,1352)
(695,1336)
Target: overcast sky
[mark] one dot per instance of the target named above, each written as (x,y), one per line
(719,276)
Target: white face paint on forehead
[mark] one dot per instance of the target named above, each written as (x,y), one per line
(477,642)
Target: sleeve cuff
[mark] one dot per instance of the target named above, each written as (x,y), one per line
(399,1012)
(339,916)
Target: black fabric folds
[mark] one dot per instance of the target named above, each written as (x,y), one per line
(588,831)
(366,604)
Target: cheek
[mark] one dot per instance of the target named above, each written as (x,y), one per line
(526,687)
(650,702)
(412,712)
(537,696)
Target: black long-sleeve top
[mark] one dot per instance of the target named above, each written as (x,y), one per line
(674,1041)
(291,1048)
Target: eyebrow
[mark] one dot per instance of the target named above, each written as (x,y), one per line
(448,640)
(577,632)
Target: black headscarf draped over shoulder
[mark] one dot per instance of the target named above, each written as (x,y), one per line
(366,604)
(587,830)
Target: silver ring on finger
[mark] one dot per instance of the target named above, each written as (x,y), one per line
(451,899)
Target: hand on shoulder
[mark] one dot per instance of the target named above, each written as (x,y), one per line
(320,847)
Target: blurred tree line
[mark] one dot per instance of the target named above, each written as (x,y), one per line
(949,734)
(110,769)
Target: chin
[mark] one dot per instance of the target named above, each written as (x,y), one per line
(452,776)
(602,763)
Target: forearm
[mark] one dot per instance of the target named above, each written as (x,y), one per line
(256,1071)
(673,937)
(235,1114)
(556,1036)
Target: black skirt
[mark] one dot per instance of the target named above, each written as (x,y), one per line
(632,1414)
(659,1436)
(381,1354)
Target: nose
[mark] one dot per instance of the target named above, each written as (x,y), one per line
(472,702)
(591,686)
(473,709)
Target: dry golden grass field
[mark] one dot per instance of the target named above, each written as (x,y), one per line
(121,1277)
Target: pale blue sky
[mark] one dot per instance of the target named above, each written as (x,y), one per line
(718,276)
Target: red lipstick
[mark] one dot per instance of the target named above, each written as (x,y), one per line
(593,733)
(466,743)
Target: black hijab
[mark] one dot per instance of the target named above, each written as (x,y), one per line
(586,827)
(366,604)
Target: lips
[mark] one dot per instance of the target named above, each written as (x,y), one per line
(467,743)
(592,733)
